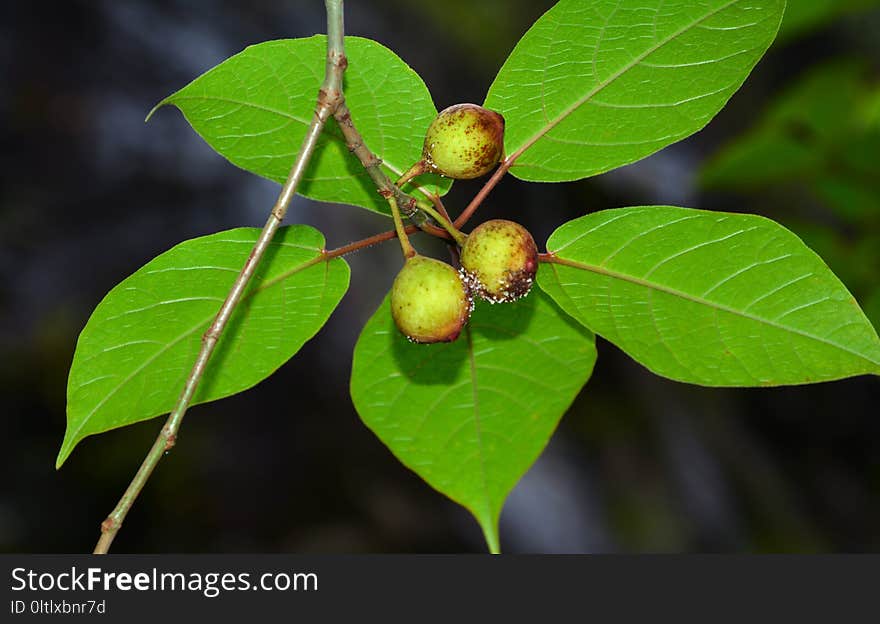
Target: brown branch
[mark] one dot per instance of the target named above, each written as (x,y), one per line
(375,240)
(502,169)
(438,204)
(468,212)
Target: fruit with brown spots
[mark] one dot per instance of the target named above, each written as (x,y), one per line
(464,141)
(499,261)
(429,301)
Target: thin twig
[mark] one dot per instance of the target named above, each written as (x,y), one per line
(366,242)
(329,98)
(502,169)
(468,212)
(372,164)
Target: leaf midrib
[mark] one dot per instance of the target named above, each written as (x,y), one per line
(263,287)
(698,300)
(489,519)
(397,171)
(608,81)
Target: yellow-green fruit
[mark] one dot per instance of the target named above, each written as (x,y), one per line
(465,141)
(429,302)
(499,261)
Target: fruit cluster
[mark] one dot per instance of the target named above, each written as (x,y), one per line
(430,300)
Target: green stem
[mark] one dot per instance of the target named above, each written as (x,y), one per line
(329,98)
(405,245)
(456,234)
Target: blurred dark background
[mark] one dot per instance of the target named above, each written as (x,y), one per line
(89,193)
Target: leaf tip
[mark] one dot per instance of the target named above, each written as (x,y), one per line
(63,454)
(67,446)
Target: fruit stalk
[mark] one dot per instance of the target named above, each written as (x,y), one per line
(416,170)
(457,235)
(405,245)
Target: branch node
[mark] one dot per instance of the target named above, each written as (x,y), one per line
(339,60)
(329,100)
(110,525)
(212,334)
(409,207)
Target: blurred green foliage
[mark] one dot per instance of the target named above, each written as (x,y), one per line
(804,16)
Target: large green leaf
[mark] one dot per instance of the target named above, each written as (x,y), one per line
(255,107)
(137,348)
(471,416)
(596,84)
(709,298)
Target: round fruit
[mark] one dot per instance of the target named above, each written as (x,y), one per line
(429,302)
(465,141)
(499,260)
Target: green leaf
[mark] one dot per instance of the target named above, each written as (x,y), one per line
(138,347)
(709,298)
(471,416)
(255,107)
(599,84)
